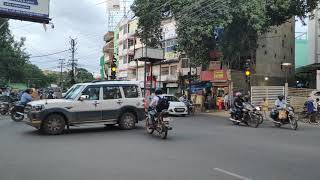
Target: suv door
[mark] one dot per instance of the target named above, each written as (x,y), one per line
(89,109)
(111,103)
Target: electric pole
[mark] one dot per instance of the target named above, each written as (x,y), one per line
(61,72)
(73,44)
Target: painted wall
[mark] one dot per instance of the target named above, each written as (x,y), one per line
(302,52)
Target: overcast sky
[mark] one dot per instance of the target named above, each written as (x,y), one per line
(81,19)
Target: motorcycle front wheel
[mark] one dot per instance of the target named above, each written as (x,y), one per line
(293,123)
(16,117)
(164,133)
(254,121)
(148,129)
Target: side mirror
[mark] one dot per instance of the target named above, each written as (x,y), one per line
(83,97)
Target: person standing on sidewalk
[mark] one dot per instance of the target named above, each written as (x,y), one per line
(226,101)
(265,107)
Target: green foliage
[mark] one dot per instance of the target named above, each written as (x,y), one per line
(243,21)
(83,76)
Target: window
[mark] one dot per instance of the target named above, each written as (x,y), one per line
(185,63)
(291,51)
(130,91)
(173,70)
(130,42)
(131,58)
(124,60)
(283,43)
(284,57)
(275,56)
(111,92)
(125,45)
(93,93)
(265,52)
(165,71)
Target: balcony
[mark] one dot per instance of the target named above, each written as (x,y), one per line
(169,78)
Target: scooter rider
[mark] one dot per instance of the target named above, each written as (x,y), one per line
(238,104)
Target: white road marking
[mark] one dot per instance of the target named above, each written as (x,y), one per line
(231,174)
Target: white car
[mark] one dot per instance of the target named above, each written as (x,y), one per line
(176,107)
(314,95)
(106,103)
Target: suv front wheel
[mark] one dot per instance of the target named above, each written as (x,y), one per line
(127,121)
(54,124)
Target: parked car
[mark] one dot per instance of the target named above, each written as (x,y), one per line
(176,107)
(106,103)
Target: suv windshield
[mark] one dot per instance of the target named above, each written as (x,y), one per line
(74,93)
(71,90)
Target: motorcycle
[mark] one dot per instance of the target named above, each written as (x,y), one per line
(249,116)
(17,112)
(4,108)
(284,116)
(257,112)
(190,106)
(161,124)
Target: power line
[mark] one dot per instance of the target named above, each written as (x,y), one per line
(59,52)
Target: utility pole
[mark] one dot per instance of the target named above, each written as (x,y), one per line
(73,43)
(61,72)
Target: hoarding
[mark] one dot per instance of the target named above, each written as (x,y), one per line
(26,10)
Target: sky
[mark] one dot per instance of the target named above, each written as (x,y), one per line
(85,20)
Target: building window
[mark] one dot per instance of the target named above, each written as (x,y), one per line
(125,45)
(185,63)
(124,60)
(130,42)
(125,29)
(275,56)
(131,58)
(165,71)
(291,51)
(283,43)
(173,70)
(284,57)
(285,36)
(265,52)
(275,31)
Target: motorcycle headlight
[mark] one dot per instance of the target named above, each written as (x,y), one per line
(258,108)
(38,107)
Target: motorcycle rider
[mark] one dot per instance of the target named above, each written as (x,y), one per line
(152,106)
(280,102)
(238,104)
(26,97)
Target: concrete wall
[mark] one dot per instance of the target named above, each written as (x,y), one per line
(275,47)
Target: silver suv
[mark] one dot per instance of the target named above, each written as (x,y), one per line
(107,103)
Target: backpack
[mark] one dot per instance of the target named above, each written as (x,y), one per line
(163,104)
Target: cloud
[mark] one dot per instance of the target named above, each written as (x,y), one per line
(81,19)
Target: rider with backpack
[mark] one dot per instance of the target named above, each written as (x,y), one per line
(157,105)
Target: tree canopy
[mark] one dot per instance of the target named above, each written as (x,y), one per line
(242,22)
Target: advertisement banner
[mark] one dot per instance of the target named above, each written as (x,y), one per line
(29,10)
(220,76)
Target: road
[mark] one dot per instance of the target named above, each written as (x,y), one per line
(203,147)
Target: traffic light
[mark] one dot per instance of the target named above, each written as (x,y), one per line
(248,75)
(114,69)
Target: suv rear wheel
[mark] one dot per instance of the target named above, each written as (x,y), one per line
(54,124)
(127,121)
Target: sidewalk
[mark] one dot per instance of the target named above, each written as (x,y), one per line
(224,114)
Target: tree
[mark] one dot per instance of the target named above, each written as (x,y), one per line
(242,20)
(83,76)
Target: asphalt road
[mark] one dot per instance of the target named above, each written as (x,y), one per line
(202,147)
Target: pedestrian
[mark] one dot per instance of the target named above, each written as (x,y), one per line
(311,109)
(226,101)
(265,107)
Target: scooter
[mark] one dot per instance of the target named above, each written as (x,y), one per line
(284,116)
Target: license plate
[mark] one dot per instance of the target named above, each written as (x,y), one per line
(180,110)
